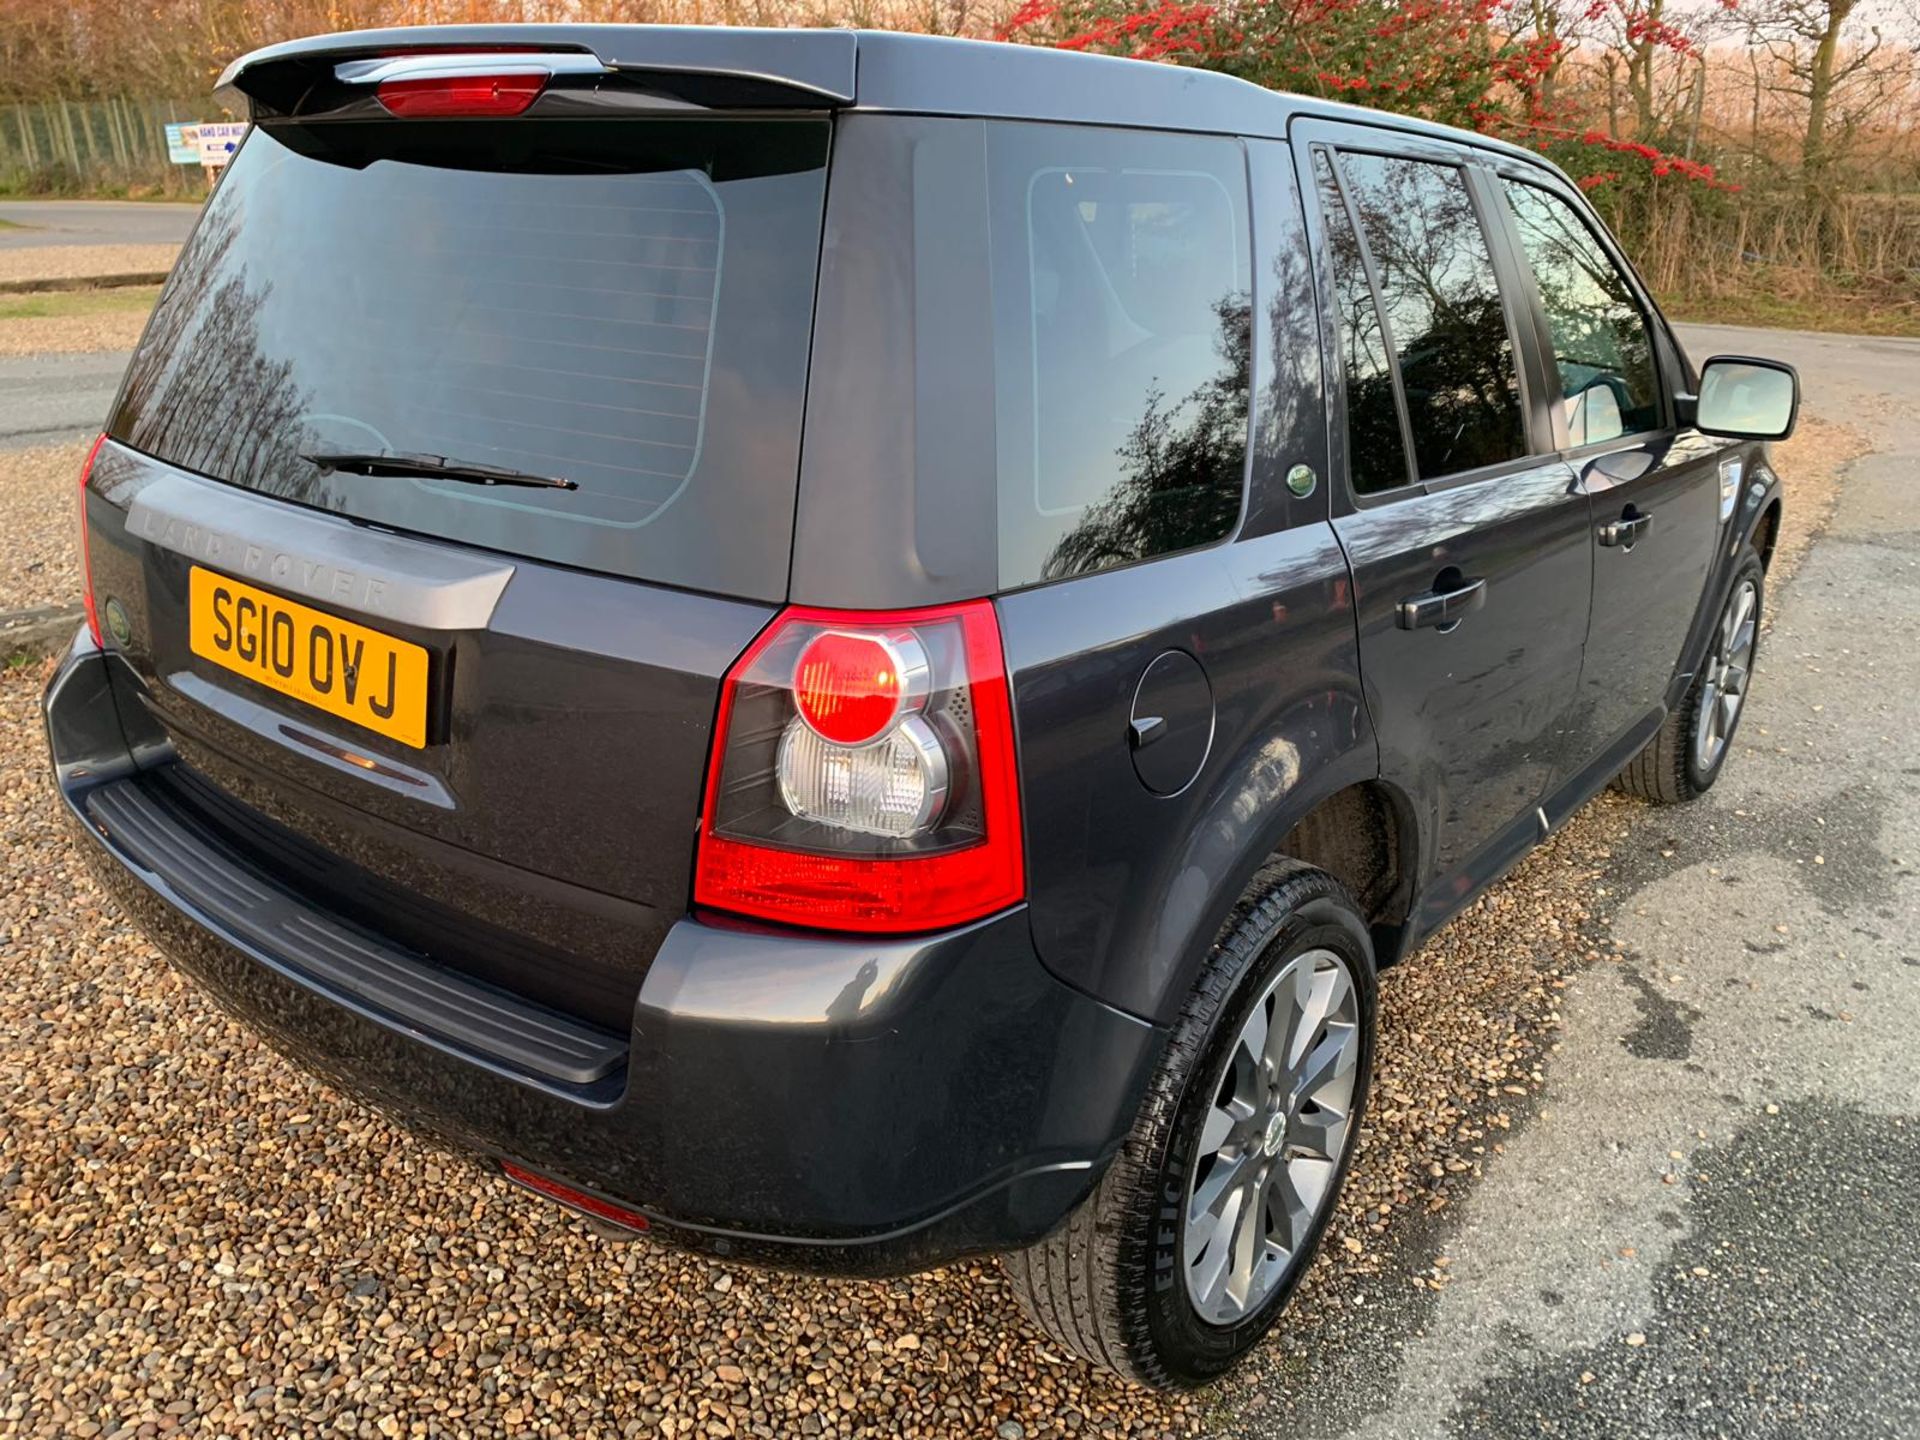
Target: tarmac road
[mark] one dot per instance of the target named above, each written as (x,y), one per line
(95,222)
(1708,1229)
(51,399)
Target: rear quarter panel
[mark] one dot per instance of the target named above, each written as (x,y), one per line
(1128,888)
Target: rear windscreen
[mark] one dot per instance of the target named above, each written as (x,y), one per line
(621,305)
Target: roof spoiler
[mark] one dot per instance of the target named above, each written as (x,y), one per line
(697,67)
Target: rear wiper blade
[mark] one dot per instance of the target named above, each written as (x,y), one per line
(431,467)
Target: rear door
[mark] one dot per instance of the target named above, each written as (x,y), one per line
(1654,490)
(1467,536)
(474,715)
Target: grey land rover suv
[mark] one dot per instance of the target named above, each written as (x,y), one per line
(852,649)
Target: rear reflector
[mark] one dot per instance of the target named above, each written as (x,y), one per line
(574,1199)
(441,97)
(86,546)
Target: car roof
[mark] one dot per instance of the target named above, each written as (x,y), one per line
(878,70)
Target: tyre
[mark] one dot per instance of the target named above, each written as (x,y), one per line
(1683,760)
(1186,1252)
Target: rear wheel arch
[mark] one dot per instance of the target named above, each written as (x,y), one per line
(1365,836)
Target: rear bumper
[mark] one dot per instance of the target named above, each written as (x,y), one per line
(835,1104)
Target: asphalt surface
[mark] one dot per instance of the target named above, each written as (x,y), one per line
(94,222)
(45,400)
(50,399)
(1707,1229)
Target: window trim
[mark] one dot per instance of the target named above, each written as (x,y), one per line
(1372,277)
(1542,446)
(1650,317)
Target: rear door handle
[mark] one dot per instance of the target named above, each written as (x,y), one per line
(1624,531)
(1442,609)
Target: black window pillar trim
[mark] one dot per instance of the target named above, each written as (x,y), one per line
(1546,420)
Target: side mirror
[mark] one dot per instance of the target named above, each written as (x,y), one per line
(1744,399)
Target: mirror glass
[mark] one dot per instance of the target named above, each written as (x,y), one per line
(1748,398)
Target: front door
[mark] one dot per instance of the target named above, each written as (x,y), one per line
(1654,490)
(1468,538)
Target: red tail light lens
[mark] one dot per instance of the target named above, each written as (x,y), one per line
(572,1198)
(86,547)
(461,95)
(849,687)
(863,774)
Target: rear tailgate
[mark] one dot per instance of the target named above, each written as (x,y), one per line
(471,717)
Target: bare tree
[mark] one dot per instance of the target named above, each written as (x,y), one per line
(1840,82)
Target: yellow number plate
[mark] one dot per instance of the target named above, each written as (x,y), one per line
(345,669)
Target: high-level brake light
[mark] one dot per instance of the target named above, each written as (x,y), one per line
(445,96)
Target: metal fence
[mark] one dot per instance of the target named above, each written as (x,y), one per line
(86,144)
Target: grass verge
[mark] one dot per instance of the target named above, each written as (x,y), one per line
(61,304)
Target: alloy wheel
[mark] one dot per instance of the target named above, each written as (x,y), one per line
(1272,1138)
(1729,667)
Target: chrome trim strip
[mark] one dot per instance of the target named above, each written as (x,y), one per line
(319,557)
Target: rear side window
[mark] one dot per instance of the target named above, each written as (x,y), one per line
(624,305)
(1601,346)
(1443,312)
(1121,301)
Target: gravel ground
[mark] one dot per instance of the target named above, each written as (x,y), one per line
(72,334)
(200,1237)
(38,561)
(82,262)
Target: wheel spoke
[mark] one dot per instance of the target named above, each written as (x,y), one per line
(1331,1060)
(1318,1132)
(1742,646)
(1216,1129)
(1291,1214)
(1253,1038)
(1209,1264)
(1292,1005)
(1247,1234)
(1212,1194)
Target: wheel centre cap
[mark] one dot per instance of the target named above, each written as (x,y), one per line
(1276,1133)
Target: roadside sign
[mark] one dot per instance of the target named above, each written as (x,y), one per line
(183,144)
(219,140)
(210,143)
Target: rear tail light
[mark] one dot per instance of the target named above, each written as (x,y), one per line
(438,97)
(863,774)
(86,547)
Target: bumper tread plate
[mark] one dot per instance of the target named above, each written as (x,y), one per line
(333,956)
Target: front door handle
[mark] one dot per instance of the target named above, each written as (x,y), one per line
(1627,529)
(1442,607)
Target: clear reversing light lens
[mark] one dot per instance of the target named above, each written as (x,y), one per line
(896,786)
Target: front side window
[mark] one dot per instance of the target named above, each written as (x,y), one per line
(1601,345)
(1122,330)
(1441,300)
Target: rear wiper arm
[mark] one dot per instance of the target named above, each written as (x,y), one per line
(431,467)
